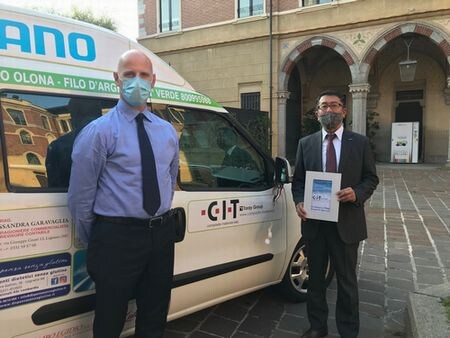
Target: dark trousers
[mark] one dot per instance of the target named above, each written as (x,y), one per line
(344,257)
(127,261)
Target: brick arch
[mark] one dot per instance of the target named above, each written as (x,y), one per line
(435,35)
(295,55)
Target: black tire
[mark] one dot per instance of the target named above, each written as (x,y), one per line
(294,285)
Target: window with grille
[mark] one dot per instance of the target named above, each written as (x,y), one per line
(315,2)
(169,15)
(250,8)
(25,137)
(64,126)
(33,159)
(251,101)
(45,122)
(17,116)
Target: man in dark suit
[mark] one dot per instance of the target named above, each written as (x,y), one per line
(338,240)
(234,155)
(58,161)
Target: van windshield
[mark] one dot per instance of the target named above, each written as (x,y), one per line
(39,131)
(214,155)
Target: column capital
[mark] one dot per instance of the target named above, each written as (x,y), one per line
(359,88)
(283,94)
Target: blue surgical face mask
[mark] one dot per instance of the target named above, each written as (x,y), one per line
(135,90)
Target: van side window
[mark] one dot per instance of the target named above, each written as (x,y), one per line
(39,131)
(214,155)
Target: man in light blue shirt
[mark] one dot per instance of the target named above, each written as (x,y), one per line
(130,251)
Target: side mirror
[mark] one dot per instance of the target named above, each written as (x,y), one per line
(283,171)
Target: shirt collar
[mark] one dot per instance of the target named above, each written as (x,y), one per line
(129,113)
(338,133)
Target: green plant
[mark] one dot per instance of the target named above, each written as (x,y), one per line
(372,126)
(258,128)
(446,303)
(309,122)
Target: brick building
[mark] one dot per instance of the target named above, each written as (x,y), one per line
(29,129)
(222,47)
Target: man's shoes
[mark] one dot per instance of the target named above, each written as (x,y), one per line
(315,334)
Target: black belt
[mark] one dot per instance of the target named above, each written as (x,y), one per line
(144,222)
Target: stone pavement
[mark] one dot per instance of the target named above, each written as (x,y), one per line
(408,248)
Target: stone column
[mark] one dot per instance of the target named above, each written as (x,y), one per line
(282,97)
(359,93)
(448,151)
(447,102)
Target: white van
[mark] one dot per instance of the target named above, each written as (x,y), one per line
(241,229)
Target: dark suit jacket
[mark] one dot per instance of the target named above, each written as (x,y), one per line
(357,166)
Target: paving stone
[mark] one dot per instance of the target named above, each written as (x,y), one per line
(231,310)
(404,284)
(258,326)
(399,258)
(298,309)
(399,274)
(241,334)
(371,297)
(201,334)
(293,323)
(372,309)
(394,305)
(283,334)
(171,334)
(396,293)
(371,285)
(219,326)
(373,276)
(183,325)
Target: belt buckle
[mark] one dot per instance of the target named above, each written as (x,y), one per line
(155,221)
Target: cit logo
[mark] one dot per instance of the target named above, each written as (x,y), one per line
(224,210)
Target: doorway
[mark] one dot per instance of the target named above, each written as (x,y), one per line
(409,109)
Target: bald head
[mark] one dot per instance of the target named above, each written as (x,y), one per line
(135,64)
(134,56)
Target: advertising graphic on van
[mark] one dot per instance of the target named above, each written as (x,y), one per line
(204,215)
(34,279)
(80,46)
(25,232)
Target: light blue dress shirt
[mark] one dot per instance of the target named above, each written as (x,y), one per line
(106,176)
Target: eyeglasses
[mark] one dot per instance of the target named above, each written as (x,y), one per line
(333,105)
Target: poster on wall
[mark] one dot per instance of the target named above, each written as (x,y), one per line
(405,142)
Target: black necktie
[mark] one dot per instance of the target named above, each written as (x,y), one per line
(331,165)
(150,187)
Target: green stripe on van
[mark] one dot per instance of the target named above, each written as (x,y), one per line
(25,77)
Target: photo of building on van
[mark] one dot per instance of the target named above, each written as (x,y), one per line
(242,232)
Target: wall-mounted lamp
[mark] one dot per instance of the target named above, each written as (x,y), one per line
(407,67)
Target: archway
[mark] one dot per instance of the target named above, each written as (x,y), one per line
(316,64)
(419,100)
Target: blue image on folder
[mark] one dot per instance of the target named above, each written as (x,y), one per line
(321,195)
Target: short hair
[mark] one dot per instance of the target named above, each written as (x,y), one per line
(331,92)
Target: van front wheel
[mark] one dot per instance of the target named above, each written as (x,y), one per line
(294,285)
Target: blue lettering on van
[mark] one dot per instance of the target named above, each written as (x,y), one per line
(24,35)
(39,40)
(80,46)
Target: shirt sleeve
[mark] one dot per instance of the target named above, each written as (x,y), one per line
(88,160)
